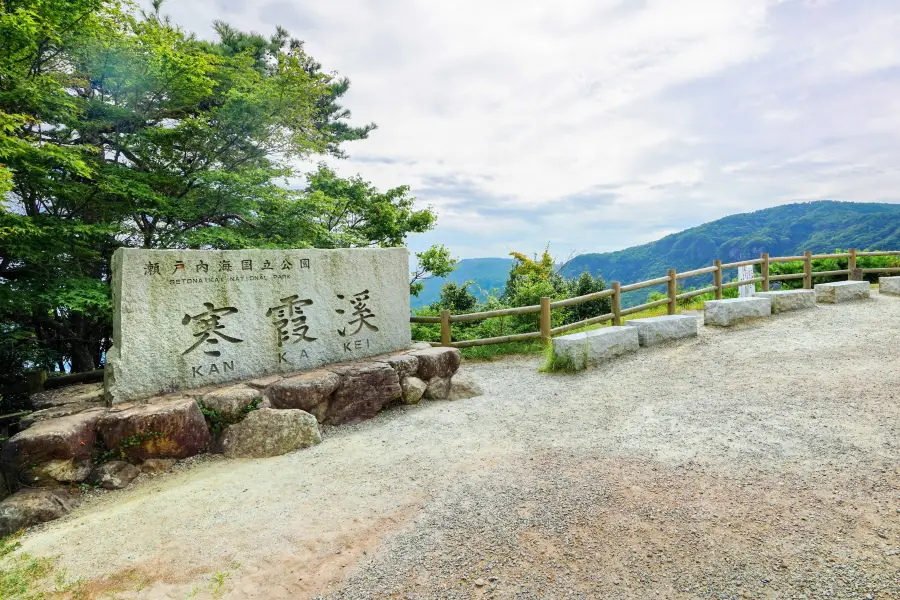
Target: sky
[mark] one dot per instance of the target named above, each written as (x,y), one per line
(595,125)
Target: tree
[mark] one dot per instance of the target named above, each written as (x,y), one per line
(121,129)
(456,298)
(434,262)
(587,284)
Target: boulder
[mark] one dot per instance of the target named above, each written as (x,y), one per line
(270,432)
(55,448)
(231,402)
(85,393)
(36,505)
(405,364)
(157,465)
(172,429)
(114,475)
(310,392)
(437,362)
(842,291)
(438,388)
(725,313)
(462,386)
(785,300)
(583,349)
(71,470)
(413,389)
(263,382)
(365,388)
(656,330)
(55,412)
(889,285)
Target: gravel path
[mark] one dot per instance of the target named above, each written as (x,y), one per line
(755,462)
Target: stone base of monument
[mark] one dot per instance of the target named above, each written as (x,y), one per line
(724,313)
(656,330)
(76,441)
(591,347)
(889,285)
(786,300)
(842,291)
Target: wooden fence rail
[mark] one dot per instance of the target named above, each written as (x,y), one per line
(616,289)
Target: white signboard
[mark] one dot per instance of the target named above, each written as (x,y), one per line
(746,274)
(191,318)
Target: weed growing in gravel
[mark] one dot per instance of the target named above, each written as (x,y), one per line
(555,363)
(25,577)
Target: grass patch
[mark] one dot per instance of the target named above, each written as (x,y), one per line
(25,577)
(554,363)
(500,350)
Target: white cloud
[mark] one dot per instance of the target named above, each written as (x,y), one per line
(667,113)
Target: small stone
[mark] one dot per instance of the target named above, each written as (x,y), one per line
(480,582)
(114,475)
(413,389)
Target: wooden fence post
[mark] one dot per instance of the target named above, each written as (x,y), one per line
(764,271)
(545,320)
(807,270)
(717,278)
(617,303)
(673,291)
(851,265)
(446,337)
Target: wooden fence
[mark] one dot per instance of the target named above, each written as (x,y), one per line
(671,279)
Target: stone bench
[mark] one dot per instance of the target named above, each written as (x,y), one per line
(595,346)
(789,299)
(724,313)
(655,330)
(842,291)
(889,285)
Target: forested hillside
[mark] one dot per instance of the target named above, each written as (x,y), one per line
(783,230)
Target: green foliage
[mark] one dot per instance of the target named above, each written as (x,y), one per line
(583,285)
(528,281)
(456,298)
(217,422)
(118,128)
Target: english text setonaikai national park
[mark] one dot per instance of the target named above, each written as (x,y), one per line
(306,300)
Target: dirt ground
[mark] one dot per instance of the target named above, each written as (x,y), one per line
(761,461)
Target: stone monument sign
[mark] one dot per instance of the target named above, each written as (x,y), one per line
(191,318)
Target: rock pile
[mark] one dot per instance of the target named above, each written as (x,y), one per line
(75,440)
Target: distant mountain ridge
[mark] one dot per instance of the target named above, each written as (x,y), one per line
(785,230)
